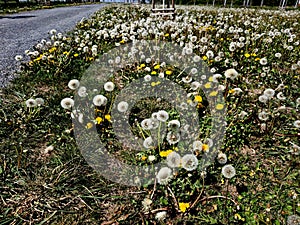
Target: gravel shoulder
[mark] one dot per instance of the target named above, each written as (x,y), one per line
(19,32)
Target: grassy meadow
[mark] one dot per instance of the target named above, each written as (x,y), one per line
(254,66)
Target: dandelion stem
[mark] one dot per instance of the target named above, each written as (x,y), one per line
(174,198)
(217,196)
(154,189)
(197,199)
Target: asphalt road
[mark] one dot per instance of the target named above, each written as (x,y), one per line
(19,32)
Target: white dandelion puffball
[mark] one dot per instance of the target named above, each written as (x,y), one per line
(280,96)
(263,116)
(31,103)
(160,216)
(189,162)
(82,92)
(146,124)
(18,57)
(297,123)
(263,61)
(151,158)
(228,171)
(164,174)
(122,106)
(67,103)
(147,78)
(196,58)
(99,100)
(109,86)
(162,116)
(197,145)
(263,98)
(269,92)
(73,84)
(173,159)
(155,123)
(222,158)
(174,124)
(195,85)
(173,137)
(231,74)
(148,142)
(39,101)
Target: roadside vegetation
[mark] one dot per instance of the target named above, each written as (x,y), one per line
(253,61)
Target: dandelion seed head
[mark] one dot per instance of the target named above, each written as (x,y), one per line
(73,84)
(31,103)
(99,100)
(162,115)
(148,143)
(164,175)
(222,158)
(109,86)
(82,91)
(173,137)
(231,74)
(173,160)
(67,103)
(228,171)
(122,106)
(189,162)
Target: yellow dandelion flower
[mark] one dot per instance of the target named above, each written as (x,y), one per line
(144,158)
(169,72)
(205,147)
(183,206)
(52,49)
(207,85)
(107,117)
(252,173)
(204,57)
(167,35)
(99,120)
(231,91)
(89,125)
(66,53)
(156,67)
(247,55)
(198,98)
(122,42)
(210,79)
(142,65)
(213,93)
(165,153)
(221,39)
(155,83)
(153,72)
(219,106)
(253,54)
(256,59)
(76,55)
